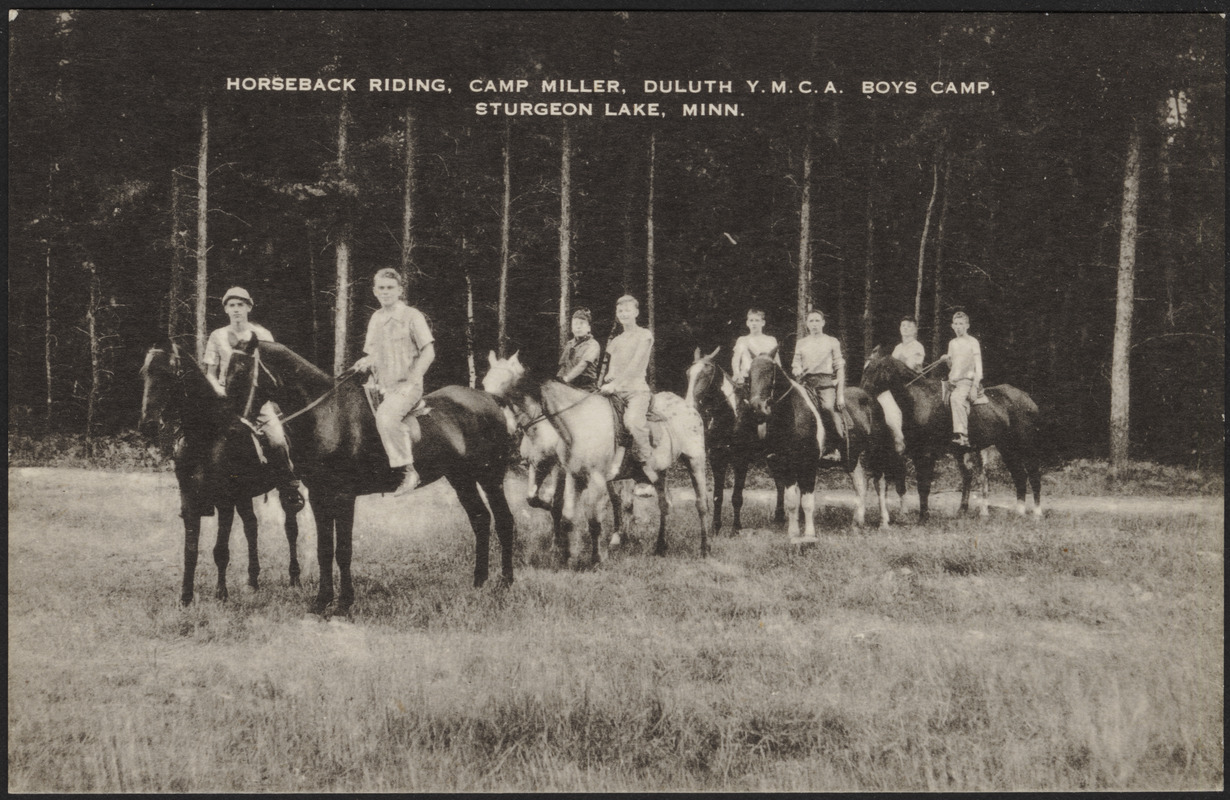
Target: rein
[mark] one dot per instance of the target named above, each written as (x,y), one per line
(257,366)
(924,372)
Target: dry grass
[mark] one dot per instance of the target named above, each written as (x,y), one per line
(1084,652)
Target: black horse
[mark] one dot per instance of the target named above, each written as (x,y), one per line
(794,450)
(1009,421)
(731,436)
(463,438)
(216,462)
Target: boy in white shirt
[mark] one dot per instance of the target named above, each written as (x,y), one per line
(964,359)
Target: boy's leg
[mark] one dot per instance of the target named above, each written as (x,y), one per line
(279,458)
(395,434)
(959,401)
(828,399)
(638,426)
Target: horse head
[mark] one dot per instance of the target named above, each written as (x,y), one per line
(503,374)
(762,381)
(249,379)
(703,374)
(883,373)
(160,372)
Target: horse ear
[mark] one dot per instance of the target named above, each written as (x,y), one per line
(773,352)
(696,355)
(515,359)
(491,358)
(713,355)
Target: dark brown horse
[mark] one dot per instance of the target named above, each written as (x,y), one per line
(1009,422)
(794,450)
(463,439)
(731,436)
(216,462)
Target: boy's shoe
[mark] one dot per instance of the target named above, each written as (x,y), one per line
(960,440)
(409,483)
(292,500)
(651,475)
(832,455)
(644,490)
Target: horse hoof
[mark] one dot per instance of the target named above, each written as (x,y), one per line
(660,550)
(185,600)
(802,540)
(312,618)
(294,581)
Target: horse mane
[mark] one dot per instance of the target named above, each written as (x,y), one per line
(300,368)
(883,372)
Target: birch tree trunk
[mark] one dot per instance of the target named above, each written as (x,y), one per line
(1120,370)
(91,325)
(922,242)
(804,278)
(177,258)
(565,235)
(407,216)
(869,264)
(649,256)
(473,372)
(341,309)
(202,238)
(937,304)
(505,225)
(1165,230)
(47,297)
(313,282)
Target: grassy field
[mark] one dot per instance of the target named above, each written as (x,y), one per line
(1081,652)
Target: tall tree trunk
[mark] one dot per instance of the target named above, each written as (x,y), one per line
(407,215)
(505,225)
(177,259)
(649,257)
(937,306)
(313,281)
(804,277)
(341,309)
(565,235)
(1120,369)
(202,239)
(922,242)
(47,297)
(91,325)
(1166,234)
(473,371)
(869,264)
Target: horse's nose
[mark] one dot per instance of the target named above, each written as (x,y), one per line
(760,410)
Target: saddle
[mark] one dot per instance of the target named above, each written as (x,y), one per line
(421,409)
(979,398)
(623,437)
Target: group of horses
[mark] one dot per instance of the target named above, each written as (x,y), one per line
(466,437)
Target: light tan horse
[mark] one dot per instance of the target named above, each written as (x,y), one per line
(579,430)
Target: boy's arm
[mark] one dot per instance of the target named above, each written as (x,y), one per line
(736,360)
(796,363)
(777,355)
(213,363)
(977,362)
(426,356)
(588,355)
(839,366)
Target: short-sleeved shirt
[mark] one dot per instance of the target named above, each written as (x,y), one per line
(965,359)
(817,355)
(396,337)
(747,348)
(586,349)
(629,352)
(222,343)
(912,354)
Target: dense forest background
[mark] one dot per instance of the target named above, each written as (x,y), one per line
(1014,207)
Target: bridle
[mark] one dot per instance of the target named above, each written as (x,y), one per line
(257,367)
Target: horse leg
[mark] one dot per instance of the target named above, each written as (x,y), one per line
(505,526)
(736,494)
(567,522)
(792,511)
(248,517)
(192,540)
(779,507)
(595,485)
(1018,479)
(984,486)
(967,478)
(719,485)
(859,477)
(664,507)
(323,512)
(480,521)
(345,550)
(292,541)
(697,473)
(881,482)
(623,511)
(222,547)
(924,467)
(1034,469)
